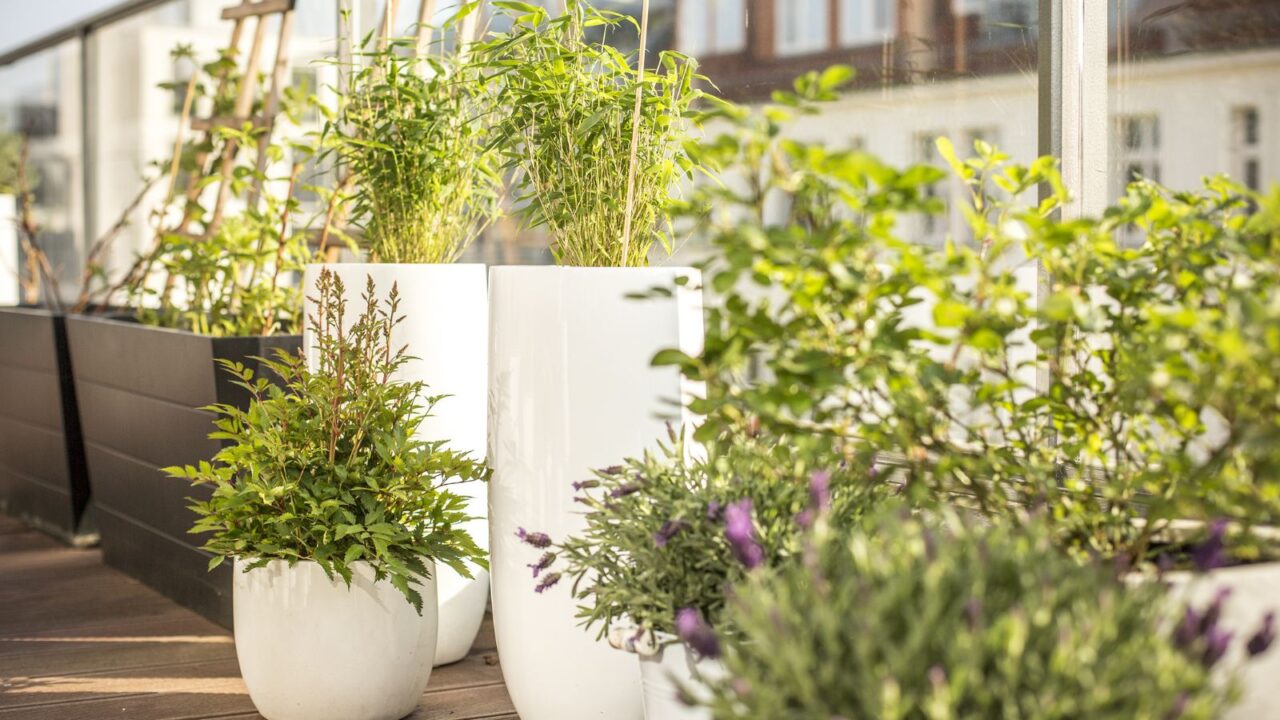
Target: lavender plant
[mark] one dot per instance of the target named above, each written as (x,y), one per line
(916,619)
(672,530)
(329,468)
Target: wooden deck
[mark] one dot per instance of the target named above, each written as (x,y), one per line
(80,641)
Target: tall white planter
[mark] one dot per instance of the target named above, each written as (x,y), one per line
(9,255)
(311,648)
(571,389)
(445,329)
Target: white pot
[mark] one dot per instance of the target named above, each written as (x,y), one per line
(1255,591)
(663,674)
(446,329)
(9,255)
(311,648)
(571,389)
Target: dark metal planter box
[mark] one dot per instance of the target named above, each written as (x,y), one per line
(42,464)
(141,390)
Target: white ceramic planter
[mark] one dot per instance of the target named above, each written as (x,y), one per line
(446,329)
(1255,591)
(571,389)
(311,648)
(663,673)
(9,255)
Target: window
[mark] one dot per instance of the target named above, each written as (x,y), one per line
(865,22)
(1139,153)
(712,27)
(802,26)
(1246,147)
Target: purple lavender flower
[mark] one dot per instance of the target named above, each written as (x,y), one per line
(937,676)
(740,530)
(715,511)
(544,562)
(612,470)
(625,489)
(973,612)
(1265,636)
(536,539)
(585,485)
(820,490)
(1188,629)
(1213,613)
(668,530)
(696,633)
(1211,554)
(1216,642)
(548,581)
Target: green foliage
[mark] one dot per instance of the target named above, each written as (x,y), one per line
(1140,389)
(10,157)
(329,468)
(905,621)
(655,537)
(241,281)
(566,127)
(414,130)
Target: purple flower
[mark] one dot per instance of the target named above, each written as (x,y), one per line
(1216,642)
(1211,554)
(973,612)
(668,530)
(715,511)
(543,563)
(548,581)
(740,530)
(612,470)
(1188,629)
(1213,613)
(536,539)
(586,485)
(820,490)
(1262,639)
(937,676)
(625,489)
(696,633)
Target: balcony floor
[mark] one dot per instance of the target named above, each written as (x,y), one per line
(80,641)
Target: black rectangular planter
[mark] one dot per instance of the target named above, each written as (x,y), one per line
(140,390)
(42,464)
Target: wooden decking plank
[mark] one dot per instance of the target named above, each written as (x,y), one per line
(219,677)
(78,656)
(478,702)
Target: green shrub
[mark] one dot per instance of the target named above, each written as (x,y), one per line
(329,468)
(414,130)
(567,106)
(905,620)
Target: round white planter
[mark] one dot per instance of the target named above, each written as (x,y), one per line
(446,329)
(571,389)
(663,673)
(311,648)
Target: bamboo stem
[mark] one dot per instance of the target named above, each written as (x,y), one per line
(635,135)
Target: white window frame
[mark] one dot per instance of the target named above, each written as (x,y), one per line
(801,33)
(867,22)
(1246,145)
(712,27)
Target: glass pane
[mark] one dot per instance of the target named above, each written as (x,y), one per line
(40,101)
(1193,88)
(137,120)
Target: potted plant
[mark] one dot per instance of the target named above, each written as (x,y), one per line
(412,131)
(597,144)
(1128,388)
(336,515)
(928,617)
(666,534)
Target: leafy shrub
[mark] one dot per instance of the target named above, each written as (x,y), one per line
(1139,390)
(905,620)
(414,130)
(567,128)
(329,468)
(672,530)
